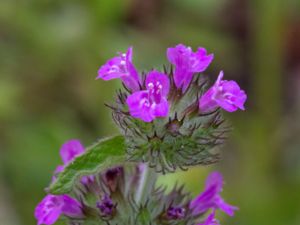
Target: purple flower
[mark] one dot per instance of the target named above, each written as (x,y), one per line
(224,94)
(187,63)
(52,206)
(152,102)
(111,177)
(121,67)
(210,198)
(176,213)
(210,220)
(106,206)
(68,151)
(57,171)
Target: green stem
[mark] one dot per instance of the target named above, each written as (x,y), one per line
(146,185)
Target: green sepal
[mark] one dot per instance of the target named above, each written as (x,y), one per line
(105,153)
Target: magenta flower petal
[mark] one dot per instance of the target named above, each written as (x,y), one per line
(161,109)
(71,207)
(58,169)
(158,83)
(201,60)
(151,103)
(210,220)
(187,63)
(224,94)
(121,67)
(70,149)
(215,180)
(140,106)
(48,210)
(210,198)
(112,69)
(179,55)
(225,207)
(233,98)
(52,206)
(131,79)
(204,201)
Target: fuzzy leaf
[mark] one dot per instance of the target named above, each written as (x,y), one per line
(104,154)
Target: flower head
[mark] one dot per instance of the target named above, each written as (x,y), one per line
(152,102)
(210,198)
(187,63)
(170,134)
(52,206)
(224,94)
(121,67)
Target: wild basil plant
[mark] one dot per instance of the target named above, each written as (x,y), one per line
(169,119)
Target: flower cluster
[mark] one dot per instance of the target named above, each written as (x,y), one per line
(151,102)
(52,206)
(113,197)
(169,119)
(169,116)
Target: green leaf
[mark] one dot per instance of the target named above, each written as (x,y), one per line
(102,155)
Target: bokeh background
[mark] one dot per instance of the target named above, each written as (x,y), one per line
(50,51)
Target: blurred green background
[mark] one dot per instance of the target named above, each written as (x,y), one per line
(50,51)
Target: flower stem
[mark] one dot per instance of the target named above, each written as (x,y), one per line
(146,184)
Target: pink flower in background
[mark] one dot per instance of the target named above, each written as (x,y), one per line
(152,102)
(68,151)
(224,94)
(121,67)
(187,63)
(210,198)
(52,206)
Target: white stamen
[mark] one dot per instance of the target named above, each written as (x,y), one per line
(144,102)
(151,85)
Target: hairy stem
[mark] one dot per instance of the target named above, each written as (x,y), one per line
(146,184)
